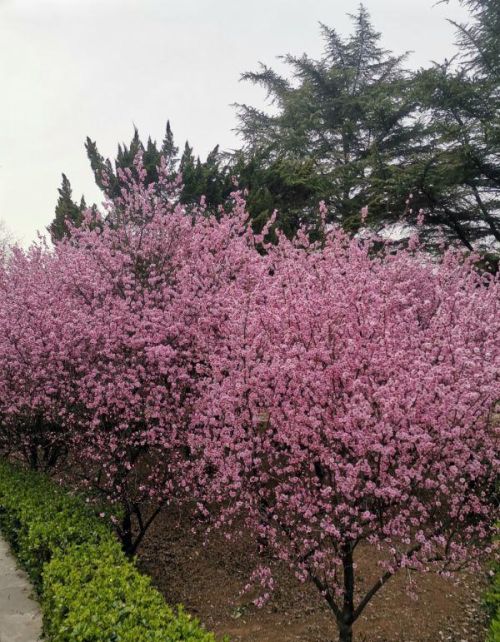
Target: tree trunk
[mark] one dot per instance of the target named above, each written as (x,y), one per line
(345,633)
(33,458)
(345,622)
(126,531)
(126,535)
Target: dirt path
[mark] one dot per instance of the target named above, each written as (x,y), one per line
(20,618)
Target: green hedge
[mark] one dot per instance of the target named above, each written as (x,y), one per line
(89,591)
(493,606)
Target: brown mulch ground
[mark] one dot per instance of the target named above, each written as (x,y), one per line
(208,580)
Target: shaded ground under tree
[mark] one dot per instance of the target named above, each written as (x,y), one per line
(208,580)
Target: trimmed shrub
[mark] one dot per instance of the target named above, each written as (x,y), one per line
(89,591)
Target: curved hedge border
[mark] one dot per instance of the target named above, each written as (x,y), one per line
(89,591)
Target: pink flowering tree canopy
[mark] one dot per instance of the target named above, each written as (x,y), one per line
(102,349)
(352,405)
(332,399)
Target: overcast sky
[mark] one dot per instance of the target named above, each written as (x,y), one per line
(76,68)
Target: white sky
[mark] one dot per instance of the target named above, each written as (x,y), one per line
(76,68)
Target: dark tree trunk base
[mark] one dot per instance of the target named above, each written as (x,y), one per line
(345,634)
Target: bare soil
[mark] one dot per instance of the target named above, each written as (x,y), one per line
(207,577)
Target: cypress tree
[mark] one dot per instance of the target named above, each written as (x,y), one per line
(67,211)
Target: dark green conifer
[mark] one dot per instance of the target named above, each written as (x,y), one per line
(67,211)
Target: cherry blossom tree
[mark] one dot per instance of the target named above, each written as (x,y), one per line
(113,348)
(351,411)
(35,360)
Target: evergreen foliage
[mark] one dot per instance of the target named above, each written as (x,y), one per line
(457,175)
(207,178)
(342,121)
(356,129)
(67,211)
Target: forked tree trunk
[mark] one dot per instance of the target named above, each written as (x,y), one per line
(131,537)
(346,614)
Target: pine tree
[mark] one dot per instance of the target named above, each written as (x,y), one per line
(209,178)
(107,174)
(67,211)
(479,40)
(169,150)
(99,165)
(288,186)
(457,179)
(189,169)
(346,117)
